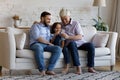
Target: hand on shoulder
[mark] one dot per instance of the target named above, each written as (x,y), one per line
(35,22)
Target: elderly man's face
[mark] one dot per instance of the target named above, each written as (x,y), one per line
(65,20)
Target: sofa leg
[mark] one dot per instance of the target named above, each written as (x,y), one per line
(111,67)
(0,70)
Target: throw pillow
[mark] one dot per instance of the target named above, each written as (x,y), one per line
(100,40)
(20,40)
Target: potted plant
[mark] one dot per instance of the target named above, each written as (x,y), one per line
(100,25)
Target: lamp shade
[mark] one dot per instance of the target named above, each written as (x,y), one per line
(99,3)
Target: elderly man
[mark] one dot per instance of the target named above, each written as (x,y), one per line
(40,42)
(74,41)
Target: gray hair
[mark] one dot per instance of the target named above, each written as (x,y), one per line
(64,12)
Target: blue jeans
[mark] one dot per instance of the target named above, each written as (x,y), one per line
(71,50)
(91,53)
(39,48)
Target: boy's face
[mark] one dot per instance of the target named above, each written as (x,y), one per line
(58,28)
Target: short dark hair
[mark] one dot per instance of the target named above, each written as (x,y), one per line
(43,14)
(54,26)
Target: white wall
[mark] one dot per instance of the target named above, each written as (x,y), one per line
(30,10)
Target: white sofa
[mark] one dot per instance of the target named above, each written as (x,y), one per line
(12,58)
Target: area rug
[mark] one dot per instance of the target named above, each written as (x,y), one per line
(100,75)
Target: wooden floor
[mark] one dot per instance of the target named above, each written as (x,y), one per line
(116,67)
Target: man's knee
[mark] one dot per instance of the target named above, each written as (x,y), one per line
(57,49)
(91,46)
(38,47)
(72,43)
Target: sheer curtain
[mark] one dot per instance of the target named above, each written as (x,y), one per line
(115,25)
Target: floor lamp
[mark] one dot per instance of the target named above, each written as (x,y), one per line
(99,3)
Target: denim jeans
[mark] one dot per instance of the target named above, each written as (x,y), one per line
(91,53)
(39,48)
(71,50)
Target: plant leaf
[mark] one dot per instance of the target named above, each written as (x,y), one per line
(95,20)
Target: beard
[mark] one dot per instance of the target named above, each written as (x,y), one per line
(46,24)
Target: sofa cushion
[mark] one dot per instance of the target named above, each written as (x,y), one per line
(100,40)
(102,51)
(26,53)
(89,32)
(20,40)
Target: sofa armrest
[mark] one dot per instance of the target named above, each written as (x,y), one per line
(111,44)
(7,50)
